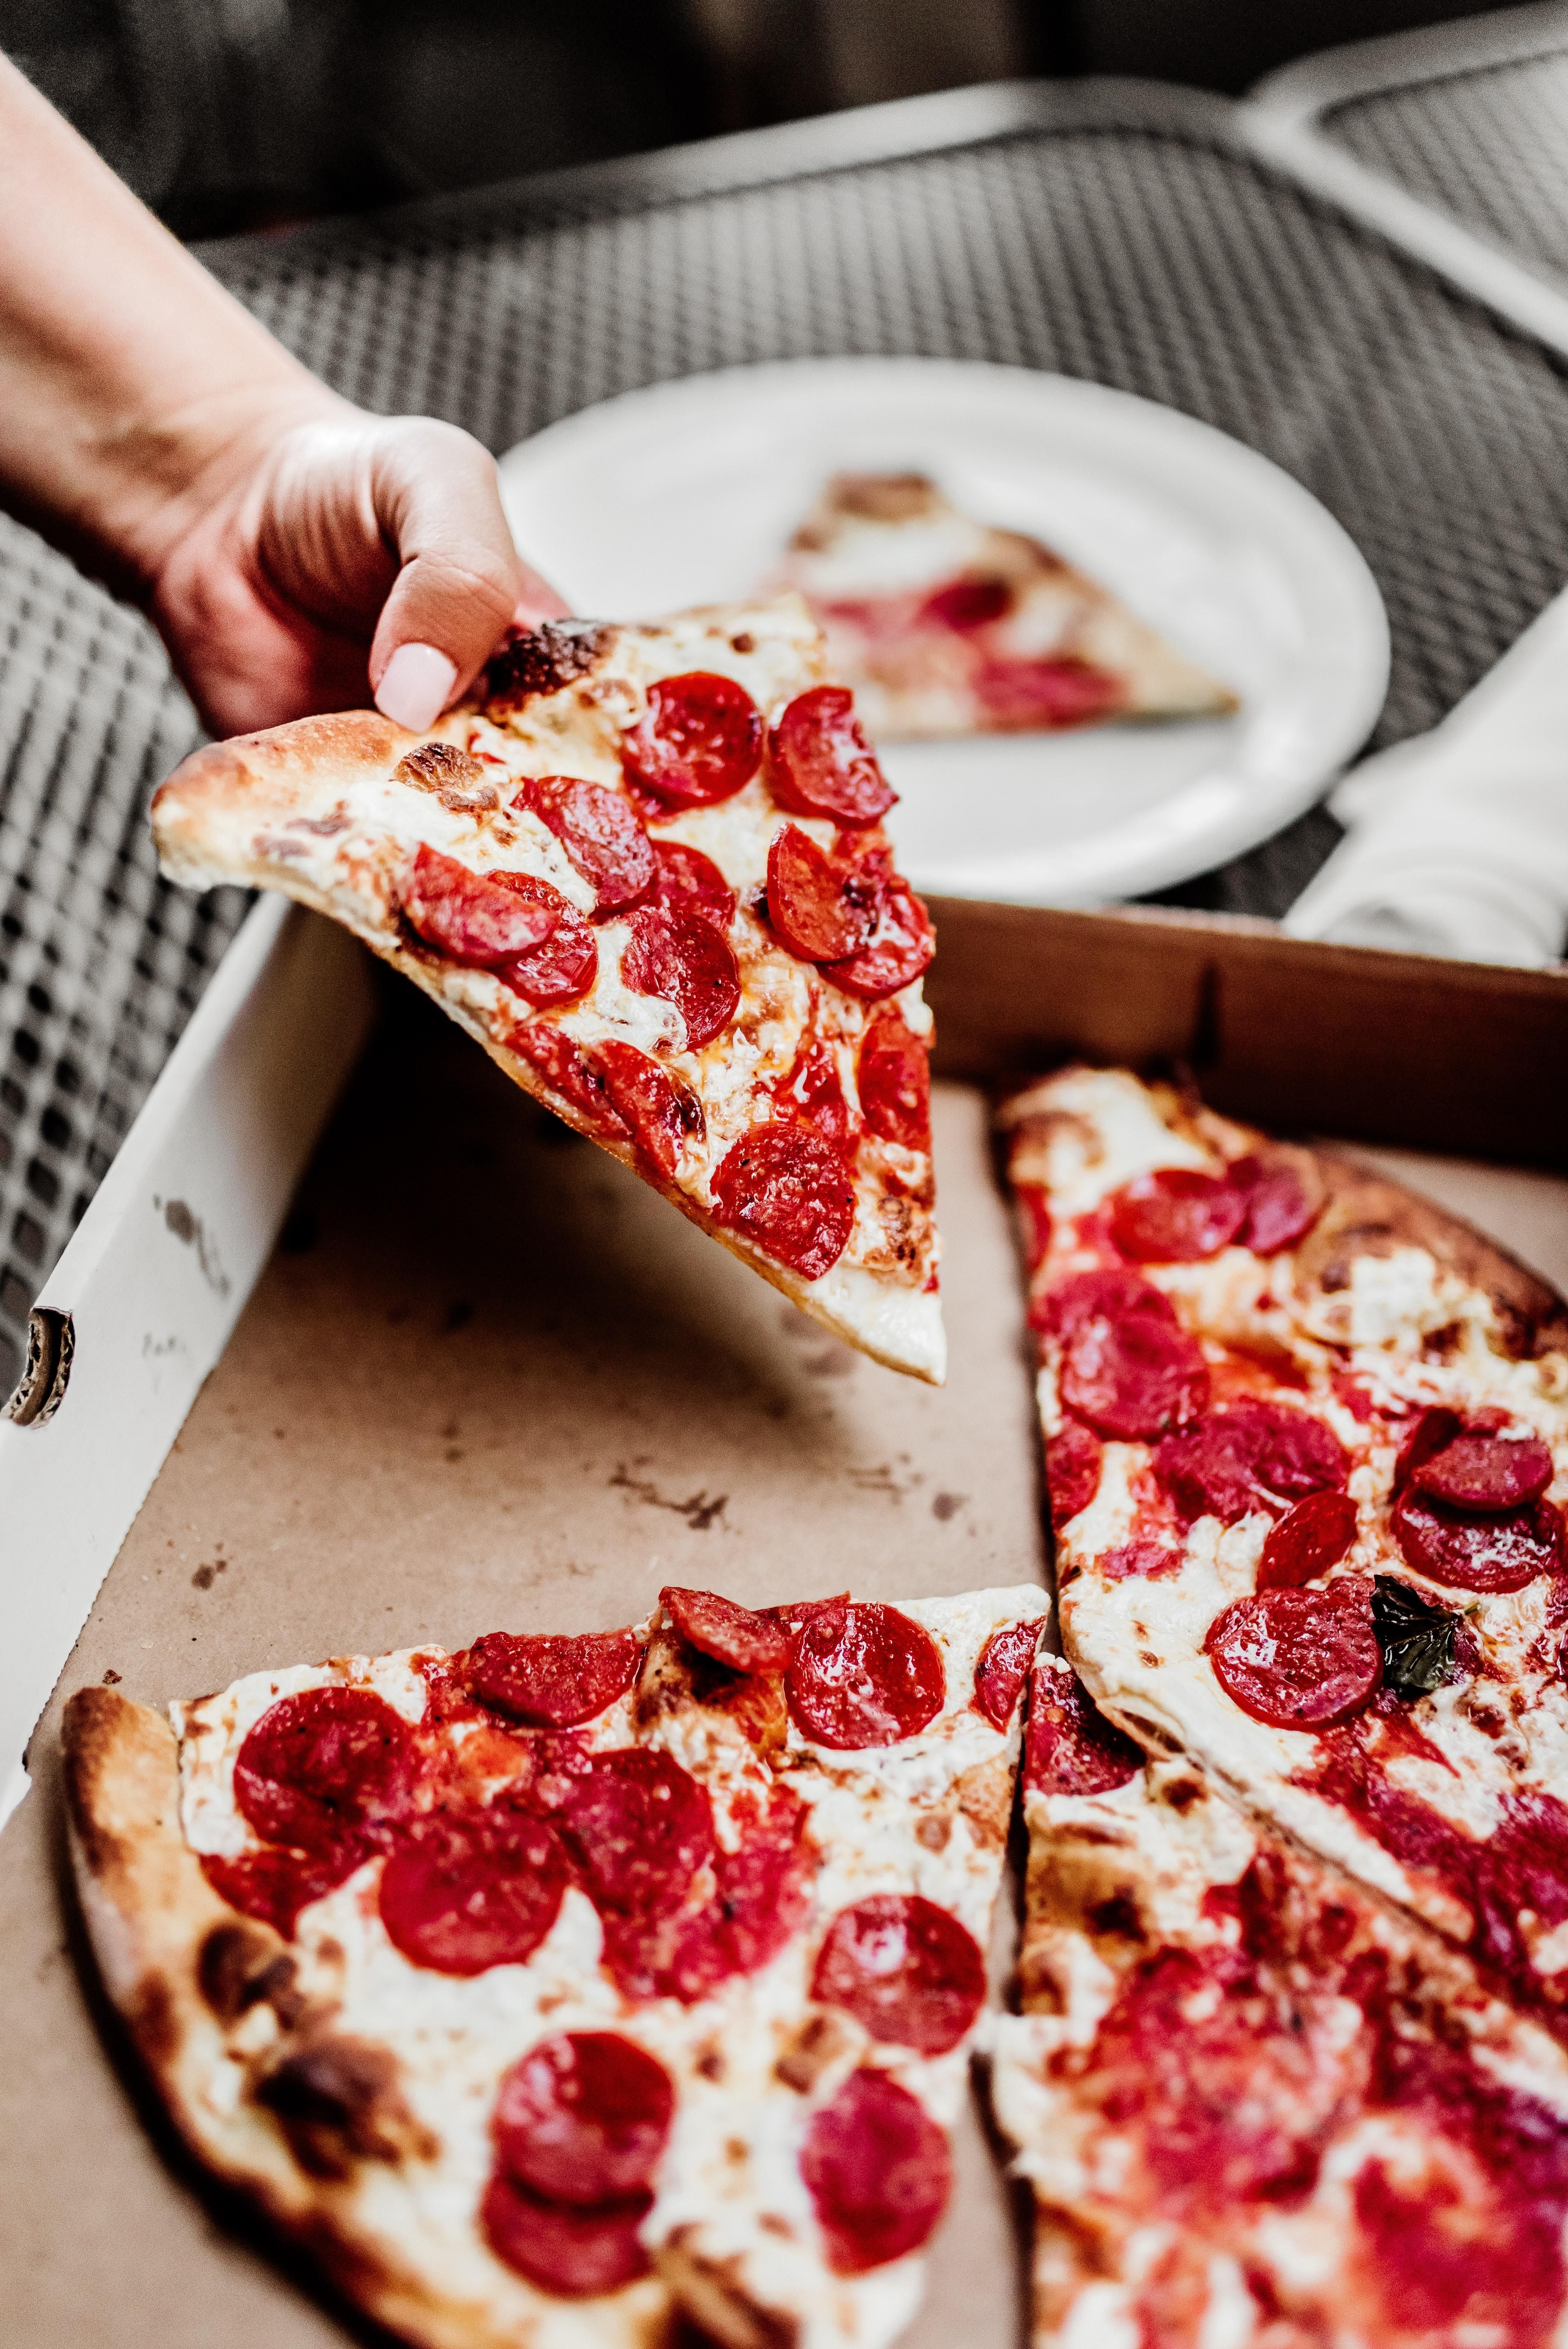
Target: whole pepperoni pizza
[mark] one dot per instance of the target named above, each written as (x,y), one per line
(563,1990)
(644,867)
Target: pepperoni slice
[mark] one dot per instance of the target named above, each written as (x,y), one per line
(1299,1659)
(1463,1552)
(570,2253)
(568,1071)
(968,603)
(790,1194)
(863,1674)
(1002,1669)
(1069,1747)
(821,907)
(660,1114)
(600,832)
(1307,1541)
(729,1633)
(584,2117)
(1176,1215)
(761,1896)
(879,2171)
(688,881)
(560,971)
(1110,1293)
(1434,1431)
(1133,1378)
(1250,1456)
(274,1886)
(1279,1212)
(639,1828)
(681,956)
(548,1682)
(1073,1461)
(468,1891)
(322,1764)
(895,1083)
(1483,1471)
(478,918)
(899,950)
(699,740)
(820,763)
(1019,693)
(907,1969)
(812,1092)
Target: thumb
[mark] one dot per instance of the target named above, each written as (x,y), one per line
(460,584)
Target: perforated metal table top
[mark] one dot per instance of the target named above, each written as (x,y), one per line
(1106,230)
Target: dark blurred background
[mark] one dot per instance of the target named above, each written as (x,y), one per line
(234,114)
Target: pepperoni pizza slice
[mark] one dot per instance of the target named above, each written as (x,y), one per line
(559,1986)
(1256,2106)
(644,868)
(945,625)
(1307,1455)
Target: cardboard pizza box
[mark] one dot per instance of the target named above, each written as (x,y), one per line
(486,1380)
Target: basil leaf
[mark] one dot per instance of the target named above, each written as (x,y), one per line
(1417,1638)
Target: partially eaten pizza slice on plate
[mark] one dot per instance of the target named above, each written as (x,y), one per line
(1306,1445)
(945,626)
(644,867)
(557,1987)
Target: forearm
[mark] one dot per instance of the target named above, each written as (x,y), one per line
(129,378)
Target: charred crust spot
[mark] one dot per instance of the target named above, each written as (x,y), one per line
(543,659)
(715,2294)
(154,2021)
(240,1962)
(710,2064)
(325,827)
(1117,1918)
(882,497)
(820,2039)
(1182,1794)
(339,2102)
(935,1832)
(454,774)
(743,642)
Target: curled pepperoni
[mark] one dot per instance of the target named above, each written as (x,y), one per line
(1072,1462)
(1069,1747)
(863,1674)
(895,1083)
(1483,1471)
(690,882)
(321,1766)
(1002,1669)
(812,1093)
(681,956)
(790,1192)
(1299,1659)
(1502,1551)
(570,2252)
(1252,1455)
(560,971)
(907,1969)
(466,1891)
(760,1898)
(821,907)
(551,1682)
(729,1633)
(600,832)
(568,1071)
(1111,1293)
(659,1114)
(1176,1215)
(639,1827)
(699,740)
(1434,1430)
(274,1886)
(1133,1378)
(820,763)
(1279,1212)
(1307,1541)
(879,2171)
(584,2117)
(479,918)
(899,947)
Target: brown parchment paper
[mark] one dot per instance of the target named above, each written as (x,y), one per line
(491,1382)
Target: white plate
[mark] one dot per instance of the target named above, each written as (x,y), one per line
(687,493)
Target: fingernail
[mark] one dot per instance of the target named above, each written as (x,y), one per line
(414,686)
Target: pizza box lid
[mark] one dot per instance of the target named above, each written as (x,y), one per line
(486,1379)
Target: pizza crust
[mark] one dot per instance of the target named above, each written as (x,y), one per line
(277,811)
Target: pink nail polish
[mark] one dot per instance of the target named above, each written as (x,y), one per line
(414,686)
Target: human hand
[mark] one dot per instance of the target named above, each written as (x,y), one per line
(322,554)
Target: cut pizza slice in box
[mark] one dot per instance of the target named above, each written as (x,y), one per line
(644,868)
